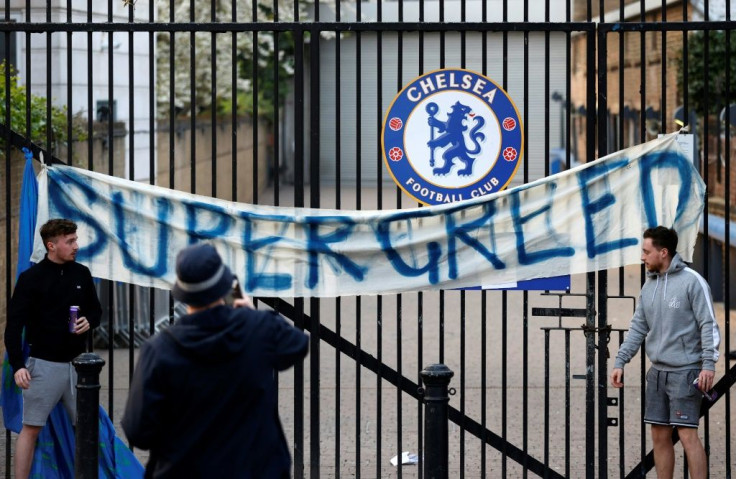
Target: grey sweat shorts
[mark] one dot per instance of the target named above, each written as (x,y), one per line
(671,398)
(51,382)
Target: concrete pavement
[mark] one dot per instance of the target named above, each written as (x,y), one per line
(363,422)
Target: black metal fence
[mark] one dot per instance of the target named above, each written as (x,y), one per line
(589,78)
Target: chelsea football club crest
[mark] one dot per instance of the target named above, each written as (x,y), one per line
(451,135)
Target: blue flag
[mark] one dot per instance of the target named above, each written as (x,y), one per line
(54,454)
(10,398)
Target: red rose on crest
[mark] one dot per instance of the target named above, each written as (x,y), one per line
(509,154)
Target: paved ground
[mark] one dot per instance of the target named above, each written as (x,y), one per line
(352,413)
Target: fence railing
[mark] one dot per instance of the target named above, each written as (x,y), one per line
(530,375)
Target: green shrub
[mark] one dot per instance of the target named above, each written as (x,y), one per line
(33,123)
(718,92)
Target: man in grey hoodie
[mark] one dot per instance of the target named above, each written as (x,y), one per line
(675,316)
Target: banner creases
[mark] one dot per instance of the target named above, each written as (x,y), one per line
(577,221)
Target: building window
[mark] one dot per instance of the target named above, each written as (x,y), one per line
(105,111)
(11,57)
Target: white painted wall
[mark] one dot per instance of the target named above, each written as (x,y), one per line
(76,72)
(530,103)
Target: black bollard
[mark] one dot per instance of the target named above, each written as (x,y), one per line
(436,378)
(88,366)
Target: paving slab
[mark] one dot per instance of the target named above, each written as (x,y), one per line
(364,421)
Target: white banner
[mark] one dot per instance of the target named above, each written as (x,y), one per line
(585,219)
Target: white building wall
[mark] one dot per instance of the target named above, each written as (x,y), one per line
(537,121)
(76,72)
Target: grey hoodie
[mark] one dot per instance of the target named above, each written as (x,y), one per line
(675,315)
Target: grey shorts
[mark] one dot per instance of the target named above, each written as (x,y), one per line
(671,398)
(51,382)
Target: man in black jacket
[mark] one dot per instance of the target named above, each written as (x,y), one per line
(203,396)
(40,304)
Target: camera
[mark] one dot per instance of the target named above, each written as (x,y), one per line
(235,292)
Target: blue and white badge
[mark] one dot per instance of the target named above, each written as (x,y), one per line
(451,135)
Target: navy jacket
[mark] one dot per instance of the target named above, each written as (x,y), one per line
(203,396)
(41,303)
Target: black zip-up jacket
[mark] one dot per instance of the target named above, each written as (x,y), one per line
(40,303)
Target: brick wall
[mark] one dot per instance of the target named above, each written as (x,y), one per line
(651,66)
(610,7)
(182,154)
(718,175)
(626,71)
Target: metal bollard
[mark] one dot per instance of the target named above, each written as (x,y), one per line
(436,378)
(88,366)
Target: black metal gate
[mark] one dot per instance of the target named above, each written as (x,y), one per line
(296,96)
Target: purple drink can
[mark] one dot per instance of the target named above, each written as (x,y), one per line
(710,396)
(73,315)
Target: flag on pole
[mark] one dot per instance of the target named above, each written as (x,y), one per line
(10,399)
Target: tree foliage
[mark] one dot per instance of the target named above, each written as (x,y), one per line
(37,121)
(706,87)
(273,69)
(203,74)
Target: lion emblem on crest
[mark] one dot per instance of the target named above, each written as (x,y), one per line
(452,135)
